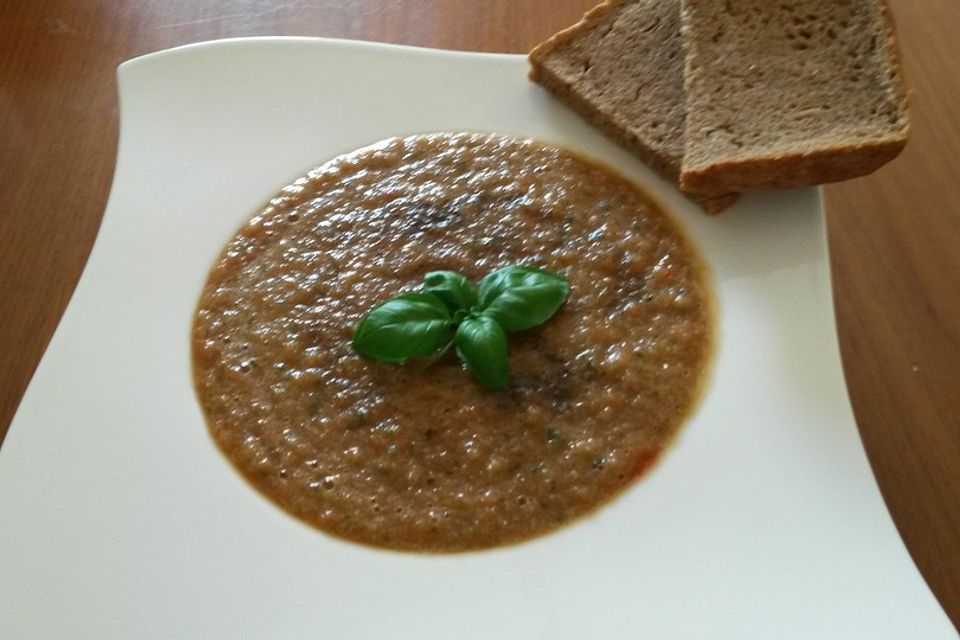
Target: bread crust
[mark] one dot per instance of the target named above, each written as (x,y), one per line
(589,19)
(788,170)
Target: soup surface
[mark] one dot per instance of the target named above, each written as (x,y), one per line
(416,458)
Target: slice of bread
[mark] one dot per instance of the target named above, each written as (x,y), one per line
(788,93)
(621,68)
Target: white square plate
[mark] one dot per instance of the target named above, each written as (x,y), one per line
(120,519)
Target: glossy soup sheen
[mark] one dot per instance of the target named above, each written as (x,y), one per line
(410,458)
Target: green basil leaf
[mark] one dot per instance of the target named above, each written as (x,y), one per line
(456,291)
(413,324)
(521,297)
(482,345)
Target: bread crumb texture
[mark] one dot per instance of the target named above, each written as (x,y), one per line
(621,68)
(786,94)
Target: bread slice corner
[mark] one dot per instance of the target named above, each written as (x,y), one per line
(791,94)
(621,68)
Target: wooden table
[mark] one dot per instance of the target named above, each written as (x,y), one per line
(894,236)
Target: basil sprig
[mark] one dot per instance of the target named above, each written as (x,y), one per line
(450,311)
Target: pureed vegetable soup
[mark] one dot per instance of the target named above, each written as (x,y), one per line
(424,458)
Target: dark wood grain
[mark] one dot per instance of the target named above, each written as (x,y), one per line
(894,236)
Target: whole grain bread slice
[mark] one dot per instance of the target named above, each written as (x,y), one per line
(621,68)
(788,94)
